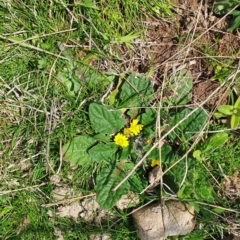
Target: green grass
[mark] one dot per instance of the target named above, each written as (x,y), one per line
(39,113)
(45,91)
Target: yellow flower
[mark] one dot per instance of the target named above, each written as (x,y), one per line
(121,140)
(127,132)
(135,128)
(149,141)
(155,162)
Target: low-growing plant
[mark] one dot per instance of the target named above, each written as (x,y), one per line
(124,132)
(215,141)
(231,111)
(224,6)
(51,53)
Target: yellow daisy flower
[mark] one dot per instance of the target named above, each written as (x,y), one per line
(121,140)
(127,132)
(155,162)
(135,128)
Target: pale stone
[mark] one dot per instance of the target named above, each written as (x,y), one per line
(154,177)
(157,221)
(63,192)
(128,200)
(72,210)
(100,237)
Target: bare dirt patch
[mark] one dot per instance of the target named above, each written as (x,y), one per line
(188,40)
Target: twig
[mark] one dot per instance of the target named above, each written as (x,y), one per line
(185,175)
(194,30)
(216,206)
(22,44)
(68,200)
(41,36)
(107,93)
(49,120)
(61,156)
(21,189)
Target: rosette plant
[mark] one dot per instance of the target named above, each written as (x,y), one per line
(232,111)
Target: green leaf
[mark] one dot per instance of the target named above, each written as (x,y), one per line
(180,86)
(165,153)
(114,93)
(105,183)
(234,121)
(219,115)
(236,112)
(135,92)
(88,4)
(149,117)
(185,192)
(46,46)
(196,206)
(191,126)
(225,109)
(197,155)
(137,181)
(75,151)
(154,154)
(218,210)
(102,137)
(42,63)
(237,103)
(90,76)
(105,119)
(112,96)
(102,152)
(205,193)
(72,85)
(235,23)
(127,38)
(217,140)
(124,153)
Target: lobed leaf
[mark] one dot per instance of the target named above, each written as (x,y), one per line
(190,126)
(75,151)
(137,182)
(101,152)
(237,103)
(181,87)
(235,23)
(105,183)
(225,109)
(135,91)
(105,119)
(234,121)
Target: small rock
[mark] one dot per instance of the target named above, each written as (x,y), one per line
(62,192)
(128,200)
(88,209)
(154,177)
(72,210)
(55,179)
(100,237)
(58,233)
(91,211)
(157,221)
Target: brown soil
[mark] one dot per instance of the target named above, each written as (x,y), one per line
(203,89)
(185,42)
